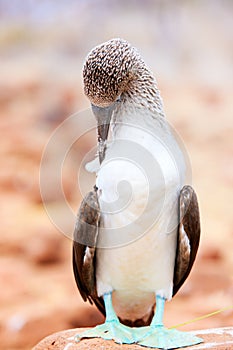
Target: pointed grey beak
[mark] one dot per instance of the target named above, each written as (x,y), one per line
(103,116)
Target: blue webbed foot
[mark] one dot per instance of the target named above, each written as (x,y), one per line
(163,338)
(110,330)
(157,336)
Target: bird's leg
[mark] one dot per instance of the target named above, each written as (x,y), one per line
(160,337)
(157,320)
(112,329)
(110,313)
(144,332)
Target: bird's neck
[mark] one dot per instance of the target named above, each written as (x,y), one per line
(140,105)
(137,121)
(142,93)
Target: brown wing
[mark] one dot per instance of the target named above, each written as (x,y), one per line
(84,249)
(188,236)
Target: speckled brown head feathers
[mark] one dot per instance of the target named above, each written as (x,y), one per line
(114,69)
(107,71)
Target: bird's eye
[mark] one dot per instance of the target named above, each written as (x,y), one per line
(118,100)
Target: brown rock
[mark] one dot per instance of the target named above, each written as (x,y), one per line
(220,338)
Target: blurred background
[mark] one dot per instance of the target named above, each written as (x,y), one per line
(188,45)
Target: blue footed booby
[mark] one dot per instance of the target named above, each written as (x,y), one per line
(137,233)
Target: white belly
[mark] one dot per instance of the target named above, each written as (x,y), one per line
(137,272)
(141,264)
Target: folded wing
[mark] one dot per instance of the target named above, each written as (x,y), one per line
(188,236)
(84,249)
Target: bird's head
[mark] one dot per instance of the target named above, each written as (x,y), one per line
(108,71)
